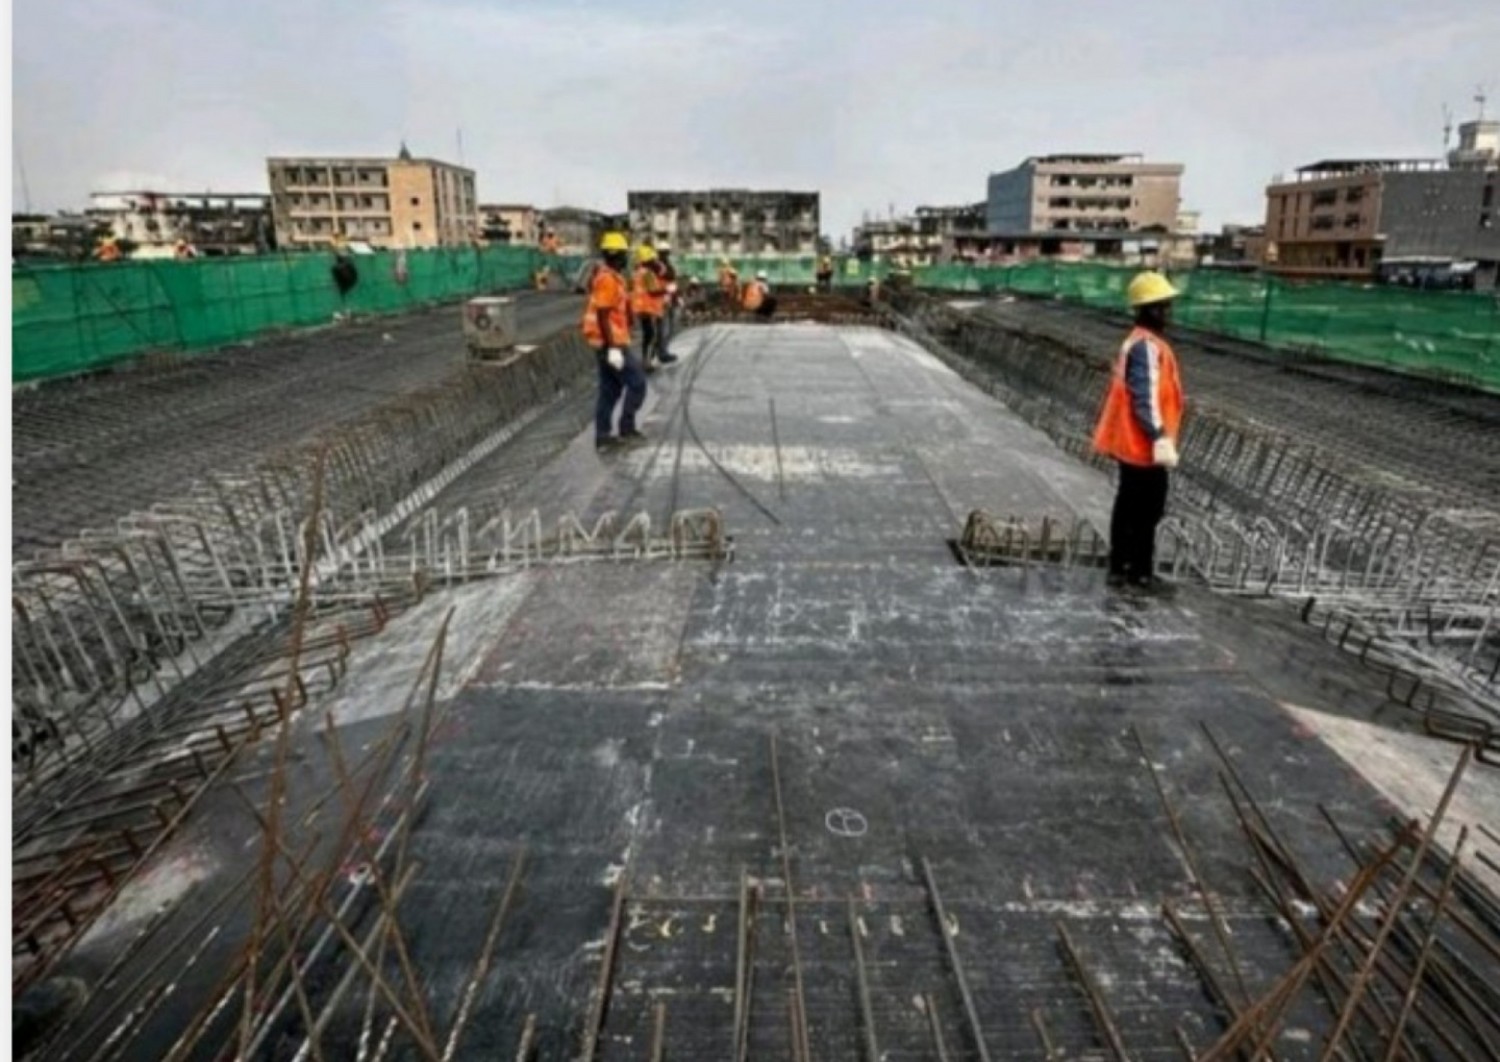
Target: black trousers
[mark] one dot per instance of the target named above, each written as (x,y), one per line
(650,337)
(1139,505)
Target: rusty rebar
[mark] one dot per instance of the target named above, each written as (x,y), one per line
(955,962)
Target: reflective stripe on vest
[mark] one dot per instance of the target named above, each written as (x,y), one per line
(1118,433)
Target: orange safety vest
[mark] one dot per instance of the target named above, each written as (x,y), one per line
(607,292)
(1119,434)
(649,293)
(754,295)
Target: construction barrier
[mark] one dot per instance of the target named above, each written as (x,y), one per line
(1453,335)
(67,319)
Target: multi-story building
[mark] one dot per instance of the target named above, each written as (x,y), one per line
(927,236)
(515,223)
(1060,195)
(385,202)
(732,222)
(213,223)
(1358,218)
(577,229)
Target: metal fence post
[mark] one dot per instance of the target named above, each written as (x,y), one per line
(1265,313)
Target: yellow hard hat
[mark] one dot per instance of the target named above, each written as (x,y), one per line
(645,254)
(1149,287)
(614,241)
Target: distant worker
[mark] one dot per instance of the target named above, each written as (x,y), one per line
(1139,427)
(108,250)
(825,273)
(729,281)
(183,250)
(648,296)
(757,297)
(549,243)
(669,319)
(606,328)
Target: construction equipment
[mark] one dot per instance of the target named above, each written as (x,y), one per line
(490,329)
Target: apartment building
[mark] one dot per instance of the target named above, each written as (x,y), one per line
(1084,193)
(1355,218)
(514,223)
(928,235)
(732,222)
(214,223)
(384,202)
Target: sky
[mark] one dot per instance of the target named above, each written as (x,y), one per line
(878,105)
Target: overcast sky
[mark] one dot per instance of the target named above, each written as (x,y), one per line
(873,103)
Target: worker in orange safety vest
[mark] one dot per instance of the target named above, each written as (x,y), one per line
(648,299)
(729,281)
(1138,427)
(606,328)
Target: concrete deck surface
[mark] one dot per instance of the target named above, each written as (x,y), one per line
(619,719)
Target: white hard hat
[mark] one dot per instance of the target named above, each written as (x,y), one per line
(663,246)
(761,275)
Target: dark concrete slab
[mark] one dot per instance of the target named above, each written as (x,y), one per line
(619,720)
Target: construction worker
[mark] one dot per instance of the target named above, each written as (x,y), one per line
(606,328)
(1138,427)
(648,301)
(108,250)
(669,319)
(729,281)
(757,297)
(825,273)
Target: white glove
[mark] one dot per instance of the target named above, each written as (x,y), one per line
(616,358)
(1164,452)
(672,288)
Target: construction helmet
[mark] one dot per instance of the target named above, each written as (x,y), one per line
(663,247)
(645,254)
(761,275)
(614,241)
(1149,287)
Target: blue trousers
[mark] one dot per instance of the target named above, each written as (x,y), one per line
(631,381)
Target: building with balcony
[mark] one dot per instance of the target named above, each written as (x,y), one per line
(1356,219)
(213,223)
(1064,195)
(732,222)
(513,223)
(384,202)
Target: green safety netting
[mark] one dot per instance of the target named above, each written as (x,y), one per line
(1449,334)
(66,319)
(71,318)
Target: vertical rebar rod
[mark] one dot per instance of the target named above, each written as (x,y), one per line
(955,962)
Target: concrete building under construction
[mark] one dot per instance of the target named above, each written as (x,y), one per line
(733,222)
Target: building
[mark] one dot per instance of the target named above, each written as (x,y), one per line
(577,229)
(1077,193)
(384,202)
(151,223)
(515,223)
(734,222)
(930,235)
(1359,218)
(1235,246)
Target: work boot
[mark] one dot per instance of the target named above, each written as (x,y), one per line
(631,436)
(669,359)
(606,443)
(1153,586)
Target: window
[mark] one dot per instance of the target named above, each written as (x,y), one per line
(416,226)
(416,200)
(1322,223)
(1355,194)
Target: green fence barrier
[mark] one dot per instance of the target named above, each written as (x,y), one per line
(72,318)
(1451,335)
